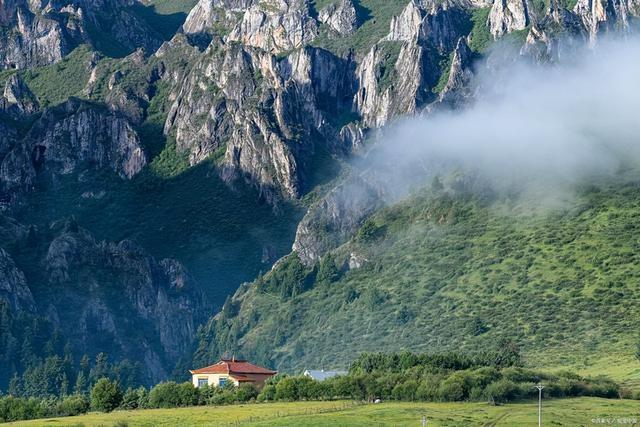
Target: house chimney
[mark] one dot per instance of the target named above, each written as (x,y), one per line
(233,358)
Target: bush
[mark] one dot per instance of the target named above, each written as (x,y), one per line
(106,395)
(246,392)
(172,395)
(73,405)
(452,389)
(135,398)
(268,393)
(165,395)
(502,391)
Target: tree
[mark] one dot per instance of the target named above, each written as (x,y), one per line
(106,395)
(327,272)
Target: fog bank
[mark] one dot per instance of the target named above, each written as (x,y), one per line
(547,127)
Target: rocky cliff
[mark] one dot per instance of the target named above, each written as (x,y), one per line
(91,285)
(36,33)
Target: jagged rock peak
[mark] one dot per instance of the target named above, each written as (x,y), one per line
(276,25)
(208,13)
(457,91)
(340,17)
(272,25)
(17,98)
(507,16)
(602,16)
(407,25)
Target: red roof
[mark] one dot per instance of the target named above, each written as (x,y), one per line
(234,367)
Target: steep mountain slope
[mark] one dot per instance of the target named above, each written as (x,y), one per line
(451,270)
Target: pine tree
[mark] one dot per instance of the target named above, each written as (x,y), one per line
(15,386)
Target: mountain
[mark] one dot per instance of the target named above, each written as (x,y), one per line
(156,155)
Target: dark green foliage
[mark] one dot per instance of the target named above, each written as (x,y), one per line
(53,84)
(106,395)
(290,279)
(481,38)
(327,270)
(171,395)
(370,232)
(435,383)
(73,405)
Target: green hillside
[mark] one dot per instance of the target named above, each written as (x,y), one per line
(455,270)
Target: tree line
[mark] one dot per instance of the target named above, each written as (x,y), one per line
(494,378)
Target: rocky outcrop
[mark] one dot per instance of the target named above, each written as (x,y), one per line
(210,15)
(341,18)
(13,286)
(507,16)
(276,26)
(437,24)
(604,16)
(262,109)
(335,218)
(273,25)
(38,33)
(76,133)
(457,92)
(79,132)
(116,296)
(17,99)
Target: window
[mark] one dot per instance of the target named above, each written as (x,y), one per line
(222,382)
(203,382)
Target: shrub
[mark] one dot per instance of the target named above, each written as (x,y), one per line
(106,395)
(452,389)
(268,393)
(165,395)
(246,392)
(502,391)
(73,405)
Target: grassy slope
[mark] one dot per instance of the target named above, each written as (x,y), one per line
(375,17)
(565,412)
(459,274)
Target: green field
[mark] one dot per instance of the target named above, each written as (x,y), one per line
(564,412)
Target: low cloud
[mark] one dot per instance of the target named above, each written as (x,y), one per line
(543,127)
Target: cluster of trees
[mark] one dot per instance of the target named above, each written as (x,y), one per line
(37,362)
(107,395)
(490,384)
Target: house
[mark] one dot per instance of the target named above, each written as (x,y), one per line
(322,375)
(231,370)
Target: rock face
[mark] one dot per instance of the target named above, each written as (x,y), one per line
(507,16)
(276,25)
(603,16)
(86,134)
(335,218)
(272,25)
(38,33)
(341,17)
(65,137)
(398,74)
(17,99)
(263,110)
(457,93)
(13,285)
(95,283)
